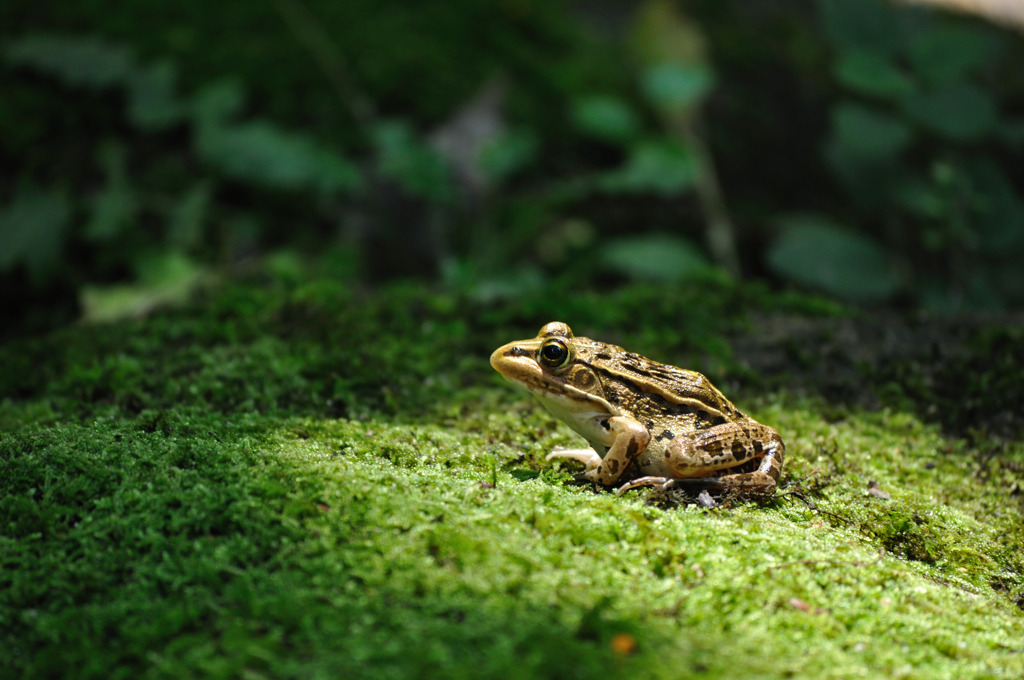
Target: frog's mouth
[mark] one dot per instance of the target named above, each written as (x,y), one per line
(517,363)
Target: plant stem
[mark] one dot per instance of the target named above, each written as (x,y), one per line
(321,48)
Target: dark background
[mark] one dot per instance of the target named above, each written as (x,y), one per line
(866,150)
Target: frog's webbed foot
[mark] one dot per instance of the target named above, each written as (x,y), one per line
(660,483)
(748,484)
(588,457)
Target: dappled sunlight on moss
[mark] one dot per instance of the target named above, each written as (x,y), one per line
(237,488)
(427,503)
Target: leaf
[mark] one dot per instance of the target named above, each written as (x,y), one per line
(958,111)
(406,159)
(920,198)
(999,211)
(165,278)
(32,230)
(185,221)
(78,61)
(508,153)
(815,252)
(607,118)
(152,102)
(861,24)
(870,181)
(872,73)
(217,103)
(655,257)
(663,34)
(676,88)
(492,287)
(868,134)
(947,53)
(659,166)
(676,75)
(115,205)
(264,154)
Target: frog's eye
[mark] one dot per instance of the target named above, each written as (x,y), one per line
(553,354)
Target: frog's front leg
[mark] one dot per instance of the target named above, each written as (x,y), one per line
(694,459)
(628,439)
(588,457)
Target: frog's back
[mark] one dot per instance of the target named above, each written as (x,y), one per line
(649,388)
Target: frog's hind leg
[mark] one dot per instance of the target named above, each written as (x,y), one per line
(751,484)
(764,479)
(588,457)
(750,455)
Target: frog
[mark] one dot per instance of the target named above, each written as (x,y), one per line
(648,424)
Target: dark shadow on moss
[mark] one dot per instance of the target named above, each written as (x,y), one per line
(966,374)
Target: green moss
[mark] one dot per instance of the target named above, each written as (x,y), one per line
(314,482)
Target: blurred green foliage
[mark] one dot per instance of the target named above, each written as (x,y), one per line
(865,149)
(924,142)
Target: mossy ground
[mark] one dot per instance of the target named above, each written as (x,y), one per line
(303,481)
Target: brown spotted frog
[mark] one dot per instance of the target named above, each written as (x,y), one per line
(648,424)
